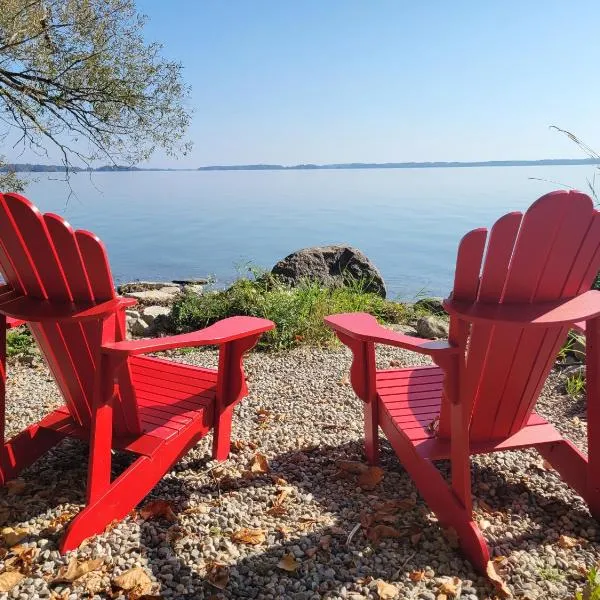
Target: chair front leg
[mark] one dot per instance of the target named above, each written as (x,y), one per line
(231,388)
(100,460)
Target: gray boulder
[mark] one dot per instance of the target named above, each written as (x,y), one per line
(432,305)
(331,266)
(137,327)
(152,313)
(163,296)
(432,328)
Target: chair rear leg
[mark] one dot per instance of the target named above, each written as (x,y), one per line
(440,497)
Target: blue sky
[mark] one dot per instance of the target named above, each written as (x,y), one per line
(382,80)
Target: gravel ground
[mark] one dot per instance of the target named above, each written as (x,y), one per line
(303,417)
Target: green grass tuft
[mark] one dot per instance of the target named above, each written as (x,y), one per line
(20,342)
(575,384)
(297,312)
(591,590)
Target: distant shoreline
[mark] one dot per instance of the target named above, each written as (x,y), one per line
(40,168)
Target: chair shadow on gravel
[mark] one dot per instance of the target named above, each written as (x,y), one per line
(319,490)
(313,473)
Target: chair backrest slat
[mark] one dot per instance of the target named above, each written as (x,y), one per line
(45,259)
(550,253)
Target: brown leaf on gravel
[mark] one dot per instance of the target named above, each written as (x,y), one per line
(283,531)
(288,563)
(351,466)
(217,574)
(135,581)
(345,380)
(451,537)
(497,581)
(451,588)
(416,575)
(22,558)
(16,487)
(395,363)
(369,479)
(9,579)
(158,509)
(278,480)
(12,536)
(263,417)
(566,542)
(251,537)
(382,531)
(386,591)
(259,464)
(75,569)
(237,446)
(278,509)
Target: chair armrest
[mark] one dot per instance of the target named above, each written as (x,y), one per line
(541,314)
(226,330)
(23,308)
(365,328)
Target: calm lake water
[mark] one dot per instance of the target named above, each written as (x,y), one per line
(178,225)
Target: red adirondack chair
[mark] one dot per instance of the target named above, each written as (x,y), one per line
(512,306)
(59,282)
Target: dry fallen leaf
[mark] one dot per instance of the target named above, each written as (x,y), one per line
(497,581)
(278,509)
(566,542)
(451,588)
(217,574)
(22,558)
(135,581)
(9,579)
(382,531)
(75,569)
(386,591)
(158,509)
(14,536)
(351,466)
(368,479)
(259,464)
(416,575)
(252,537)
(288,563)
(451,537)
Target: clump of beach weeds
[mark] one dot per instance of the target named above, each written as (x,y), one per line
(296,311)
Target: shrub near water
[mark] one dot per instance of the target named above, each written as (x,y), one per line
(297,312)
